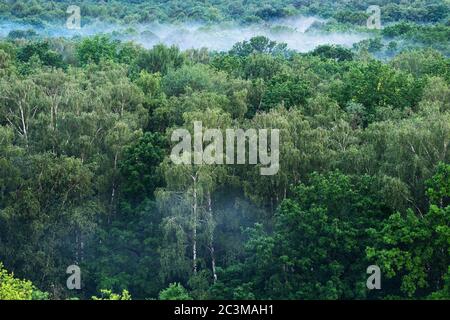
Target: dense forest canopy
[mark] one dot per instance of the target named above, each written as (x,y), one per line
(86,177)
(242,11)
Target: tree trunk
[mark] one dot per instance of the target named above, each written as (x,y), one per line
(211,238)
(194,226)
(113,189)
(24,125)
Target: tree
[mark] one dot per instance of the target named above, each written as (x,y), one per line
(421,63)
(256,45)
(124,253)
(187,201)
(5,63)
(317,247)
(20,103)
(303,149)
(14,289)
(139,168)
(95,49)
(375,85)
(43,51)
(410,150)
(412,249)
(160,59)
(109,295)
(337,53)
(287,90)
(197,78)
(436,96)
(175,291)
(48,215)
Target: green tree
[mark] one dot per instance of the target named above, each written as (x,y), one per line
(337,53)
(413,249)
(139,168)
(95,49)
(375,85)
(160,59)
(14,289)
(109,295)
(317,247)
(175,291)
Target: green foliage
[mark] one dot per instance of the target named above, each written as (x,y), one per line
(14,289)
(258,45)
(139,166)
(290,91)
(317,246)
(424,11)
(352,17)
(413,249)
(135,236)
(444,293)
(109,295)
(86,178)
(375,85)
(175,291)
(439,186)
(337,53)
(42,51)
(160,59)
(197,78)
(93,50)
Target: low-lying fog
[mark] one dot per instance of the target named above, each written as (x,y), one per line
(298,33)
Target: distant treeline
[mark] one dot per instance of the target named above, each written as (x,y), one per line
(245,11)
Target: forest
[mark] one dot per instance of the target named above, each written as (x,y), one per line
(86,177)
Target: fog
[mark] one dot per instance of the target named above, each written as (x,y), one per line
(299,33)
